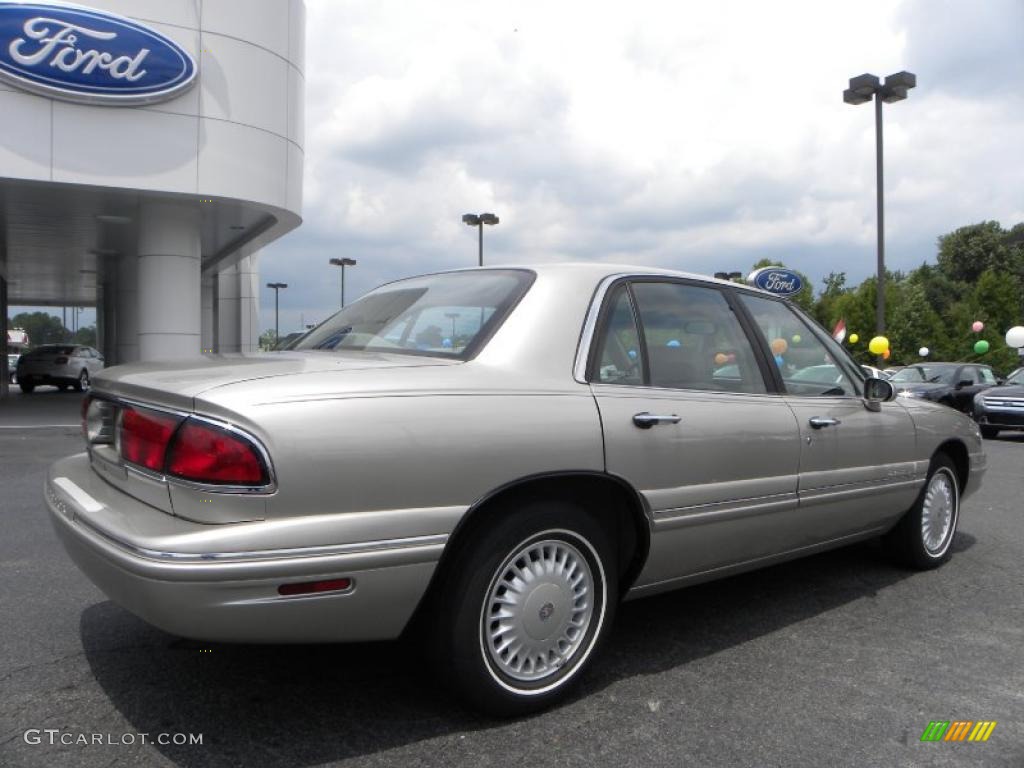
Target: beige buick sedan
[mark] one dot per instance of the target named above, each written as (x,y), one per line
(495,458)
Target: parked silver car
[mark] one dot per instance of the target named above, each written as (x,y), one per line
(494,458)
(62,365)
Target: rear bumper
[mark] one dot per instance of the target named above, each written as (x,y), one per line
(232,596)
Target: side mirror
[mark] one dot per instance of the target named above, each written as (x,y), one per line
(964,383)
(879,391)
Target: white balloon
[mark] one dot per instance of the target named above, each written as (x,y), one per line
(1015,336)
(923,351)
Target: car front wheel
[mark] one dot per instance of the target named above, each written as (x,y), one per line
(924,537)
(524,608)
(27,387)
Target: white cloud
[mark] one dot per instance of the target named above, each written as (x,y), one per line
(696,135)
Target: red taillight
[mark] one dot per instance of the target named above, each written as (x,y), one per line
(60,360)
(312,587)
(144,435)
(206,454)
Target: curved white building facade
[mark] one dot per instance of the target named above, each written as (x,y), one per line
(153,211)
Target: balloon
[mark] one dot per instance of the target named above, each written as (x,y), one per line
(977,326)
(1015,336)
(778,360)
(885,355)
(980,347)
(854,338)
(923,351)
(672,343)
(878,345)
(779,346)
(796,338)
(721,358)
(732,357)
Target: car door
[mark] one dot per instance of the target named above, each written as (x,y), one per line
(858,463)
(689,421)
(967,383)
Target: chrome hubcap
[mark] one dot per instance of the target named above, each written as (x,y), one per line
(538,610)
(938,512)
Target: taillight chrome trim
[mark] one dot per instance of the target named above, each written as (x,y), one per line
(267,489)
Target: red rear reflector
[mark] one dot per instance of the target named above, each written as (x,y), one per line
(206,454)
(312,587)
(144,437)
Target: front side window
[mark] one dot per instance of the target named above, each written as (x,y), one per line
(445,315)
(807,366)
(693,339)
(987,377)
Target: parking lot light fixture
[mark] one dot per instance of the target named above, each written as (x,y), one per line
(478,221)
(862,89)
(277,288)
(343,263)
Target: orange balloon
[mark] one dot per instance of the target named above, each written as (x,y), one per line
(885,355)
(779,346)
(721,358)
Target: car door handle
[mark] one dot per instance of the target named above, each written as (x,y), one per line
(646,420)
(823,421)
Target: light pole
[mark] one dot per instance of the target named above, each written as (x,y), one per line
(478,220)
(453,316)
(277,288)
(862,89)
(343,263)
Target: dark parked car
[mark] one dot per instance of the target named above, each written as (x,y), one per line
(953,384)
(1001,407)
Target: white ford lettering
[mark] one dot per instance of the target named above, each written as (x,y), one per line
(60,47)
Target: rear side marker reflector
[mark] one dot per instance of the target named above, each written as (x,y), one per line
(313,587)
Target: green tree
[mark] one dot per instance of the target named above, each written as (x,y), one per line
(42,327)
(267,340)
(968,251)
(86,336)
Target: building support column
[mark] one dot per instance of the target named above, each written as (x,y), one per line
(170,325)
(229,329)
(107,311)
(208,300)
(127,310)
(249,302)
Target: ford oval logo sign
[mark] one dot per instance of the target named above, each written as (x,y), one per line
(777,280)
(80,54)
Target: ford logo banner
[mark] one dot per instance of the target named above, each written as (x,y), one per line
(84,55)
(777,280)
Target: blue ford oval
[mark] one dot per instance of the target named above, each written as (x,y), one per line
(84,55)
(777,280)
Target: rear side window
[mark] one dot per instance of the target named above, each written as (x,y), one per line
(619,356)
(693,339)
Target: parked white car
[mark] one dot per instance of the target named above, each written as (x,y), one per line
(62,365)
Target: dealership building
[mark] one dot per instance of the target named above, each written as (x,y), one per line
(150,149)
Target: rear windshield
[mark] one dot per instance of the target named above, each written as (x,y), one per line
(919,374)
(446,315)
(53,349)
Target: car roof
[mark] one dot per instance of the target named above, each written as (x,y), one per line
(598,271)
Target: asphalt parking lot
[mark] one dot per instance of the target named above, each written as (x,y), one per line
(839,660)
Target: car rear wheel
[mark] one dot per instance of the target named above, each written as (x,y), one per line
(989,432)
(924,537)
(524,607)
(27,387)
(83,382)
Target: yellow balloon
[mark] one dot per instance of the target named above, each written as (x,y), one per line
(854,338)
(878,345)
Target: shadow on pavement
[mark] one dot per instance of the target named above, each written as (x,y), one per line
(306,705)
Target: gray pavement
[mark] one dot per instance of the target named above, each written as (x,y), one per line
(838,660)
